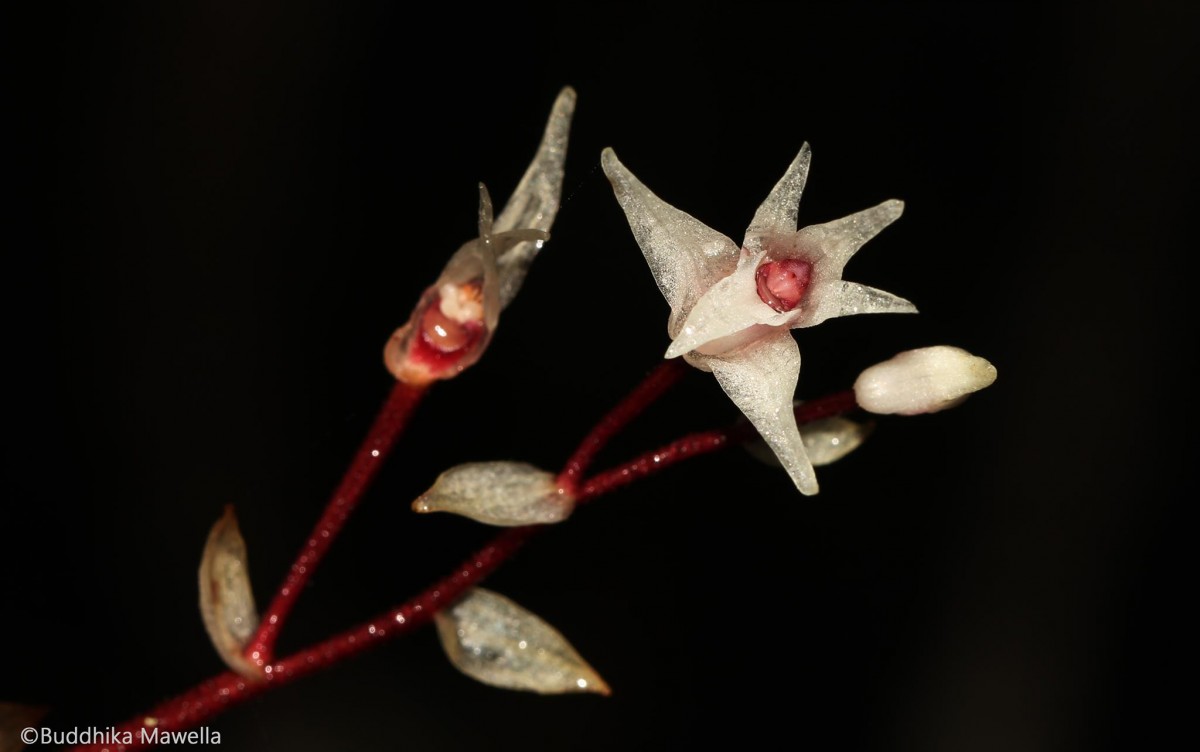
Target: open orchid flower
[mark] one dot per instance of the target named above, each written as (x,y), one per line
(453,321)
(731,308)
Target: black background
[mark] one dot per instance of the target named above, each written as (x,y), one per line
(221,212)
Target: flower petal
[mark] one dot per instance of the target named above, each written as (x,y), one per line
(493,640)
(826,441)
(686,256)
(729,315)
(851,299)
(535,202)
(761,380)
(777,215)
(498,493)
(841,238)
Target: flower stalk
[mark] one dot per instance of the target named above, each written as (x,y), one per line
(732,309)
(224,691)
(365,465)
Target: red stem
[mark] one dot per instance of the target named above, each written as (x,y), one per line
(644,394)
(214,696)
(696,444)
(219,693)
(380,439)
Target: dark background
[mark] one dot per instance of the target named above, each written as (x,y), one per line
(219,214)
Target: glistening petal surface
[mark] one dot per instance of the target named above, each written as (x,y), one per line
(535,202)
(761,378)
(686,256)
(777,215)
(841,238)
(851,299)
(495,641)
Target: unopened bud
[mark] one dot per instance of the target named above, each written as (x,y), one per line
(922,381)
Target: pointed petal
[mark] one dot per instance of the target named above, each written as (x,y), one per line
(498,493)
(761,381)
(777,215)
(826,440)
(856,299)
(853,299)
(493,640)
(686,256)
(226,600)
(729,315)
(841,238)
(535,201)
(485,212)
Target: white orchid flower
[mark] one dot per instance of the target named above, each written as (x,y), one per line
(731,308)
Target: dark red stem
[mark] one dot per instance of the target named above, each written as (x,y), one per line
(652,387)
(214,696)
(219,693)
(380,439)
(696,444)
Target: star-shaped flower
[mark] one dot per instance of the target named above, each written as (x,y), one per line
(731,308)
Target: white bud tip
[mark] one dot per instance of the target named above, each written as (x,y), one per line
(922,381)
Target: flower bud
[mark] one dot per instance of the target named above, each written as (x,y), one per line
(226,600)
(922,381)
(453,322)
(506,494)
(495,641)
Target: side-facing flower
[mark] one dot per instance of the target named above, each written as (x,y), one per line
(453,321)
(731,308)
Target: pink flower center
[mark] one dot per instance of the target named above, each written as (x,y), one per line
(444,333)
(444,339)
(782,284)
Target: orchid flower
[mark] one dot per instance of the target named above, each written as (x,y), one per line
(731,308)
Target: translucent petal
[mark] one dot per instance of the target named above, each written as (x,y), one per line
(777,215)
(851,299)
(535,201)
(498,493)
(486,252)
(841,238)
(729,315)
(922,381)
(493,640)
(226,600)
(685,256)
(761,380)
(856,298)
(830,439)
(826,441)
